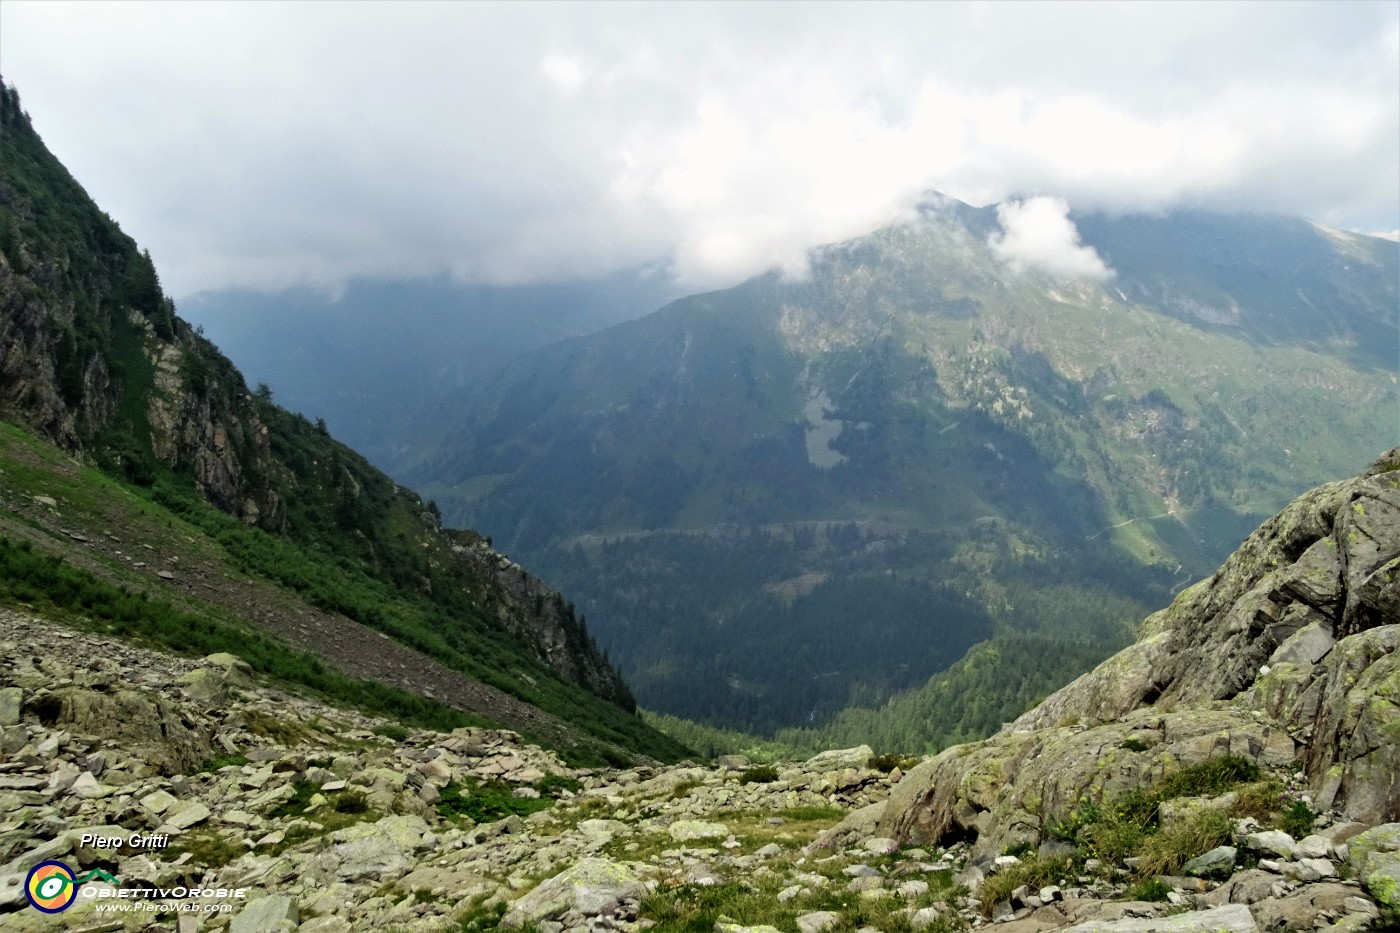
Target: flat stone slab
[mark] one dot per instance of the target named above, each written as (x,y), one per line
(1232,918)
(1219,861)
(838,759)
(686,830)
(190,814)
(265,913)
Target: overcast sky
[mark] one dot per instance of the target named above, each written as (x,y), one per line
(272,144)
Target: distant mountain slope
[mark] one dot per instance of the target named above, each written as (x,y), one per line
(787,497)
(94,360)
(403,344)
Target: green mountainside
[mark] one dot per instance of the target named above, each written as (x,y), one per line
(788,498)
(292,533)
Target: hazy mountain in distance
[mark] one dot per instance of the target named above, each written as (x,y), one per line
(783,498)
(374,359)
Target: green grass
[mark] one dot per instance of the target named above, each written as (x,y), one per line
(1130,824)
(810,814)
(693,908)
(1165,851)
(224,761)
(206,847)
(1036,871)
(1149,889)
(553,785)
(1214,776)
(479,917)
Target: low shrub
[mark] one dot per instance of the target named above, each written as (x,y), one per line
(887,763)
(394,733)
(352,802)
(1296,818)
(552,785)
(763,774)
(485,802)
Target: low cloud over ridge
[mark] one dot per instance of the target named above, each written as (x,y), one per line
(1038,234)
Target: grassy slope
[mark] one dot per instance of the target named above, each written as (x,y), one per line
(228,593)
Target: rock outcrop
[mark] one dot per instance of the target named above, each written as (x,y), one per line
(1288,653)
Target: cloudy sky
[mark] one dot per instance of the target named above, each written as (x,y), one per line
(267,145)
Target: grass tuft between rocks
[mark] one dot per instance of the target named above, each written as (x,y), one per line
(696,908)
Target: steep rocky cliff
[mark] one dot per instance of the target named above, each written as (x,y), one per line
(1285,657)
(94,359)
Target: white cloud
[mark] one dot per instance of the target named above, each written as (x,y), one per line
(1038,234)
(567,72)
(276,144)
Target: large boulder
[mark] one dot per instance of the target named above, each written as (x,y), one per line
(839,759)
(379,850)
(1230,918)
(1003,789)
(266,914)
(589,887)
(1374,857)
(141,721)
(1295,637)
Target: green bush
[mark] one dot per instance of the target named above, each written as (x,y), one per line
(392,732)
(1297,819)
(763,774)
(486,802)
(552,784)
(352,802)
(887,763)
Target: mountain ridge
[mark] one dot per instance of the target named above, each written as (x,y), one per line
(94,359)
(957,415)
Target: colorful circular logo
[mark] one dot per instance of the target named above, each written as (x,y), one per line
(51,887)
